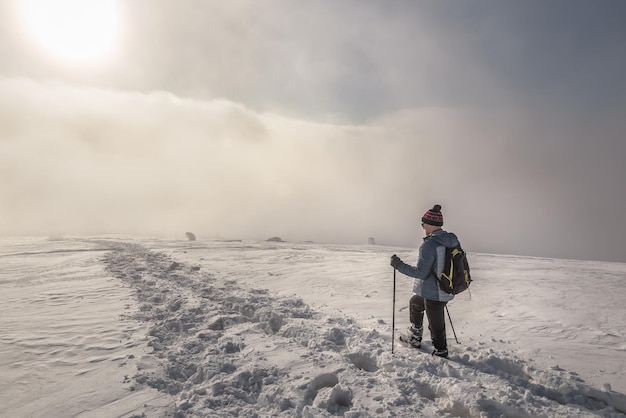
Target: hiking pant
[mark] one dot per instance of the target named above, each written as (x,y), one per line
(436,320)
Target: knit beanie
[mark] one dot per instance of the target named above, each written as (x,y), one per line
(433,216)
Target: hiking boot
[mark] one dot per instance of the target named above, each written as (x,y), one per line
(415,341)
(440,353)
(415,336)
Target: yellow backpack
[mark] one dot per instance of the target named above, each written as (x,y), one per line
(455,277)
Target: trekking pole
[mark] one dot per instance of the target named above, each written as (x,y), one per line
(393,314)
(453,331)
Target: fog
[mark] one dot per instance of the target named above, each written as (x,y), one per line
(326,121)
(77,160)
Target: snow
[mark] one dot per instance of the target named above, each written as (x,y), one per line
(126,327)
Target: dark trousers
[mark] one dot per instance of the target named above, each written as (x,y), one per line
(436,320)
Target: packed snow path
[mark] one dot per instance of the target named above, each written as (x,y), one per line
(223,349)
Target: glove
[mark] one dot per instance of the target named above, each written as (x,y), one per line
(395,261)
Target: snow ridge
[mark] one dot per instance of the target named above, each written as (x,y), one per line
(219,348)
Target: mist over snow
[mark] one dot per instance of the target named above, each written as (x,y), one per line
(86,160)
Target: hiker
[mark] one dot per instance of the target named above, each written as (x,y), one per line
(427,295)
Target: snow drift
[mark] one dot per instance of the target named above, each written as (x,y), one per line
(262,329)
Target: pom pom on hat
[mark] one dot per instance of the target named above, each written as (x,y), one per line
(433,216)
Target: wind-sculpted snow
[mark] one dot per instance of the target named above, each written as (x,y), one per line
(220,347)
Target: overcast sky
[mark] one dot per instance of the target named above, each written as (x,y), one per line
(330,121)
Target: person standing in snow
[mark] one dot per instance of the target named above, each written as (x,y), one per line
(427,296)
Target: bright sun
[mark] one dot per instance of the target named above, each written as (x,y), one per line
(73,30)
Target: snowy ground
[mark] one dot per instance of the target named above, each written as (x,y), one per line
(127,327)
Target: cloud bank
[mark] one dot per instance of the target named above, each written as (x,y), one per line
(77,160)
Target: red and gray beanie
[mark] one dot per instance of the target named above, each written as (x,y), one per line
(433,216)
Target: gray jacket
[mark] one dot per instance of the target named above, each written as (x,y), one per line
(430,262)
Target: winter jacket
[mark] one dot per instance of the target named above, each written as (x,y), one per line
(432,254)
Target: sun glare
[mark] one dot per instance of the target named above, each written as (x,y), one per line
(72,30)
